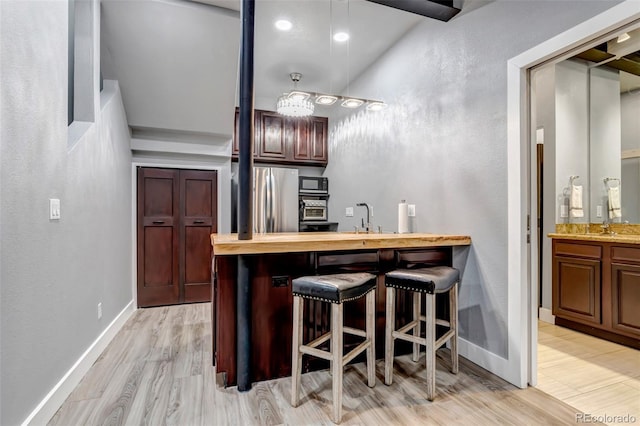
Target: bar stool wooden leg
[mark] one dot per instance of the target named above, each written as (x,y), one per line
(416,329)
(296,357)
(453,324)
(388,335)
(336,365)
(371,337)
(430,353)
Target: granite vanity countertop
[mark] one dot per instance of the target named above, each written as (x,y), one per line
(606,238)
(289,242)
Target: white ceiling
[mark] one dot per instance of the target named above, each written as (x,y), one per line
(327,66)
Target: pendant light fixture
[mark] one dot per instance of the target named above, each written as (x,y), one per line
(295,103)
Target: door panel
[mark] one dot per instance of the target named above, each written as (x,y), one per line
(198,194)
(158,260)
(158,214)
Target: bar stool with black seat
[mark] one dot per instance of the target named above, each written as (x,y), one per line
(334,289)
(428,281)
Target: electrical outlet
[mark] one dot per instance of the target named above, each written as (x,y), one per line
(54,209)
(411,210)
(348,212)
(599,211)
(100,310)
(280,281)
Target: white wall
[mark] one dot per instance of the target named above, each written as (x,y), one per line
(54,273)
(442,143)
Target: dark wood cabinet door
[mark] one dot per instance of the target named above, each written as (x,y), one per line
(577,289)
(311,141)
(177,213)
(625,298)
(158,226)
(235,147)
(198,201)
(276,133)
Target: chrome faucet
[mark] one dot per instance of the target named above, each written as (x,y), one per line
(367,226)
(606,227)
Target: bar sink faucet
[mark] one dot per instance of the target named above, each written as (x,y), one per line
(367,226)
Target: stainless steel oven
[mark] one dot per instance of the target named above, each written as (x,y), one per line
(313,210)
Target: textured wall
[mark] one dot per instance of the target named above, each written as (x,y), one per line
(54,273)
(442,143)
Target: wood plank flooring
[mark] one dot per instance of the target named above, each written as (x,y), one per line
(157,371)
(593,375)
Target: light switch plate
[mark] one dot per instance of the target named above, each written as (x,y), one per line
(54,209)
(348,212)
(599,211)
(411,210)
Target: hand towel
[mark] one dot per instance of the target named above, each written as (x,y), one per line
(575,201)
(614,202)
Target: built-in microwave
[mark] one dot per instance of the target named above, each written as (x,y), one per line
(313,185)
(313,210)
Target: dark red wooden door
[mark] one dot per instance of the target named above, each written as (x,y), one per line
(177,212)
(198,195)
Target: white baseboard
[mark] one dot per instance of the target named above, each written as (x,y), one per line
(544,314)
(61,391)
(487,360)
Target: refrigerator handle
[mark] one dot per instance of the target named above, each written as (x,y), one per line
(269,203)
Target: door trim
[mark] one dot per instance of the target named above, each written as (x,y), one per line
(522,259)
(222,166)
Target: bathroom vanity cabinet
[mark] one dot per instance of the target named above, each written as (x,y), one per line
(596,286)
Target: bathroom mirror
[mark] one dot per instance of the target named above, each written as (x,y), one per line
(589,109)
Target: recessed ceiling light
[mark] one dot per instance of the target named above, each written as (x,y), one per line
(283,25)
(341,37)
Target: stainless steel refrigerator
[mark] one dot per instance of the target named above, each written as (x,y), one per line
(275,200)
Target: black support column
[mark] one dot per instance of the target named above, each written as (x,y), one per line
(245,194)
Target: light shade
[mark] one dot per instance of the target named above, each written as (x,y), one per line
(376,106)
(326,99)
(296,106)
(352,103)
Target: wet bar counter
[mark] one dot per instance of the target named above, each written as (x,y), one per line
(275,259)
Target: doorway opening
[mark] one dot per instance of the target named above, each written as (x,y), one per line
(593,375)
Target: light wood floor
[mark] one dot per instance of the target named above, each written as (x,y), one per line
(157,371)
(593,375)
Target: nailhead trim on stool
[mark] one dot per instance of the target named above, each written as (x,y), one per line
(334,289)
(427,281)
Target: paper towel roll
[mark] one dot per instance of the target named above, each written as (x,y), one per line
(403,218)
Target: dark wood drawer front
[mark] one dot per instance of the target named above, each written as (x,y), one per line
(347,262)
(409,258)
(577,293)
(625,292)
(578,250)
(625,254)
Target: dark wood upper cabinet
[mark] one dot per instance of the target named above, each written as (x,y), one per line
(285,140)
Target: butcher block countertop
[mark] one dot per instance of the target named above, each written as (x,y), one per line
(228,244)
(601,238)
